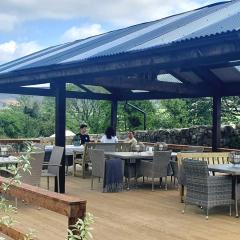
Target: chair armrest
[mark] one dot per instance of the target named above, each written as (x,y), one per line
(220,180)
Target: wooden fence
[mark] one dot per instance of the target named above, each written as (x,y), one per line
(72,207)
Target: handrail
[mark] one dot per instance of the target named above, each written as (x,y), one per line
(181,147)
(70,206)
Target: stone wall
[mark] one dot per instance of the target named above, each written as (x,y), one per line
(202,135)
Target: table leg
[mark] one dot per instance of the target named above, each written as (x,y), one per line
(128,183)
(236,195)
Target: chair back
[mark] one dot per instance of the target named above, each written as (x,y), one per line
(55,160)
(36,161)
(5,150)
(161,160)
(106,147)
(98,162)
(195,170)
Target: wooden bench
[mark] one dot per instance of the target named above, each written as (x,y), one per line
(84,159)
(210,157)
(72,207)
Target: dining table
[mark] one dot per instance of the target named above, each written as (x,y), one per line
(69,149)
(234,171)
(8,160)
(134,157)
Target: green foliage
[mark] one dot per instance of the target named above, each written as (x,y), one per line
(32,118)
(129,118)
(81,230)
(6,208)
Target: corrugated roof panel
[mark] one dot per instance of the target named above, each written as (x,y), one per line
(106,49)
(42,56)
(205,21)
(222,13)
(229,24)
(182,20)
(29,57)
(91,43)
(71,49)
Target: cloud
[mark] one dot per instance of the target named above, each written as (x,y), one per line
(120,13)
(82,32)
(12,50)
(7,22)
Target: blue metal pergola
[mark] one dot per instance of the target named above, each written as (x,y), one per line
(192,54)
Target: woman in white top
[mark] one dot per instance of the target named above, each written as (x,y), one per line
(110,136)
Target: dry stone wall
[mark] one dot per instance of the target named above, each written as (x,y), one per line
(201,135)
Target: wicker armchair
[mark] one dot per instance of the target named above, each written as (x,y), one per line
(158,168)
(204,190)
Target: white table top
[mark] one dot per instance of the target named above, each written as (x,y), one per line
(133,155)
(69,149)
(225,168)
(8,160)
(130,155)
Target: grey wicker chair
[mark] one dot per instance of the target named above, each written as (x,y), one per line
(106,147)
(53,165)
(180,174)
(97,159)
(205,190)
(158,168)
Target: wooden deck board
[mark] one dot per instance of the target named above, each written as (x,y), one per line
(136,214)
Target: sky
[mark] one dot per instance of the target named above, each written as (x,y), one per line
(27,26)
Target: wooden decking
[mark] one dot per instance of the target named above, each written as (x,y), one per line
(136,214)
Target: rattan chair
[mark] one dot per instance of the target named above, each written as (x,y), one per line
(53,165)
(205,190)
(158,168)
(106,147)
(180,174)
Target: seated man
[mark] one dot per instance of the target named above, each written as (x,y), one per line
(131,139)
(82,137)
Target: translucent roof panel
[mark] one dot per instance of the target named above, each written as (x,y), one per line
(167,78)
(43,86)
(96,89)
(139,91)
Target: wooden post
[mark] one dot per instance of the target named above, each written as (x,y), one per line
(60,125)
(216,123)
(114,114)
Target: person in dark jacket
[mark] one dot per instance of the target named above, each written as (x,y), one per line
(82,137)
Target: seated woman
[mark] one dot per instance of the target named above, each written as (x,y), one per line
(110,136)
